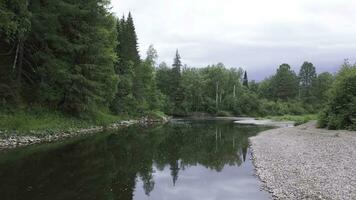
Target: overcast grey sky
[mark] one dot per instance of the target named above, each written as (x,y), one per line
(257,35)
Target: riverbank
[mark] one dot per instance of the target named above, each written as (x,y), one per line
(49,133)
(304,162)
(265,122)
(297,119)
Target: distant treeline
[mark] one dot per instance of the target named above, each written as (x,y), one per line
(217,89)
(78,58)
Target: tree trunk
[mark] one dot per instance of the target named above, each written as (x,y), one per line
(217,95)
(16,55)
(20,62)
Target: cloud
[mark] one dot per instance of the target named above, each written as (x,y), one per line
(256,35)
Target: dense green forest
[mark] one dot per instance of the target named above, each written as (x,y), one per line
(78,59)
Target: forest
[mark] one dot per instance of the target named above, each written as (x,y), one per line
(78,60)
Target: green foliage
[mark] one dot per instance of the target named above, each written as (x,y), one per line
(137,88)
(149,92)
(64,54)
(103,118)
(128,60)
(285,83)
(340,110)
(245,80)
(27,121)
(192,84)
(277,108)
(248,104)
(156,115)
(321,88)
(14,20)
(254,86)
(14,29)
(75,57)
(265,89)
(215,89)
(307,80)
(176,92)
(39,120)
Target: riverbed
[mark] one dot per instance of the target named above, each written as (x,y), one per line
(183,159)
(307,163)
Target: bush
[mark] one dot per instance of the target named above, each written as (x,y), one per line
(247,103)
(223,113)
(279,108)
(340,111)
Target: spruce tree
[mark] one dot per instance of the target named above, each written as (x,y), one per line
(131,40)
(72,48)
(245,80)
(176,90)
(124,100)
(92,71)
(131,95)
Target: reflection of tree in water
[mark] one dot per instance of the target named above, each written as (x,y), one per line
(108,166)
(209,145)
(148,183)
(174,167)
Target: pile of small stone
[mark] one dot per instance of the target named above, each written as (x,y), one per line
(306,163)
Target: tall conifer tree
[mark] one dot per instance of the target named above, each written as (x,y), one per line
(245,80)
(130,87)
(176,91)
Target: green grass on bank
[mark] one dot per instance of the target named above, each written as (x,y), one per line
(298,119)
(156,114)
(39,121)
(34,122)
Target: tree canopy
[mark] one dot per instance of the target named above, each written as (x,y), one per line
(78,58)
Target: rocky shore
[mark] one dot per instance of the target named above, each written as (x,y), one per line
(10,140)
(304,162)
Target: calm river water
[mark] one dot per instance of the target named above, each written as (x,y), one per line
(182,160)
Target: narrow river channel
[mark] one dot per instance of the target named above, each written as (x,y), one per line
(181,160)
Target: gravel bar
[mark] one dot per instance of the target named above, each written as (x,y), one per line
(304,162)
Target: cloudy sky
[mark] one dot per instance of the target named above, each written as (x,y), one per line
(257,35)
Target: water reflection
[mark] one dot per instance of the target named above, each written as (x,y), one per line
(190,160)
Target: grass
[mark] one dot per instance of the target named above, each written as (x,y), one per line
(39,121)
(156,115)
(102,118)
(298,119)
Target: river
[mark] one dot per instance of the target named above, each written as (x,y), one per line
(181,160)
